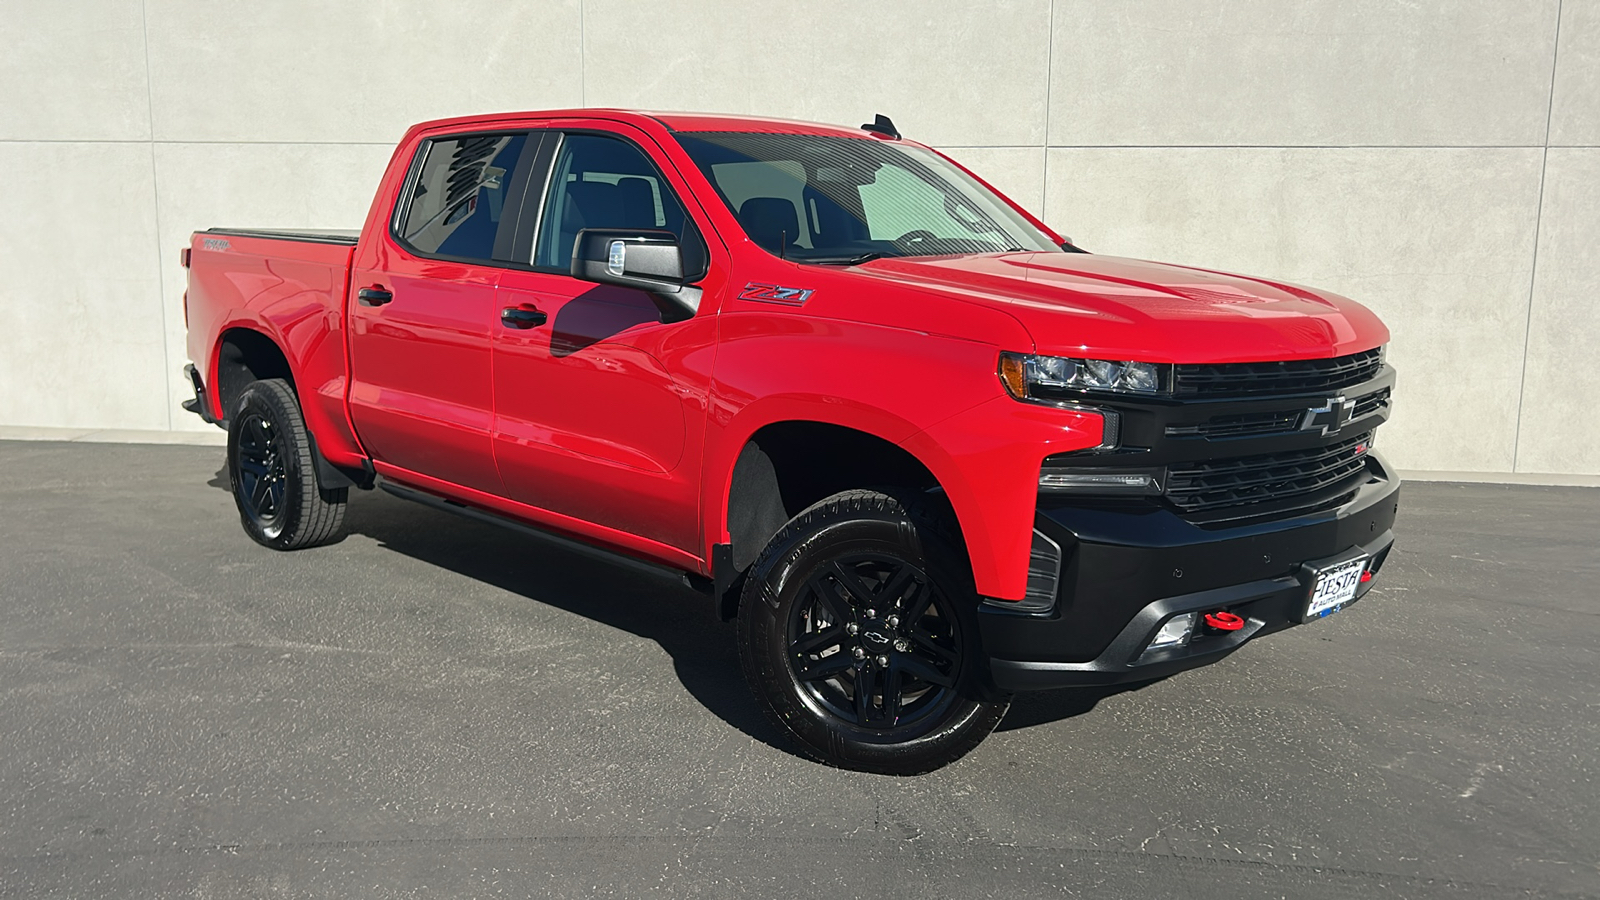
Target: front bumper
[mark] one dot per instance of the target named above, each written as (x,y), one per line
(1126,568)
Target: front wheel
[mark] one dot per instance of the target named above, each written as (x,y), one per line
(273,474)
(858,634)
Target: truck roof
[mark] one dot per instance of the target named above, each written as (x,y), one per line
(676,121)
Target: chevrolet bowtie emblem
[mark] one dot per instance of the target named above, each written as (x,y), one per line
(1329,417)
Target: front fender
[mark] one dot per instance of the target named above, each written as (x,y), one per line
(987,459)
(890,383)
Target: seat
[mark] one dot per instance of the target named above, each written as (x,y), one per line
(770,221)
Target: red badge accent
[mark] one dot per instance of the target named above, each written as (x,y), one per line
(772,293)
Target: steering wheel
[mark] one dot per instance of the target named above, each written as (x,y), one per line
(912,238)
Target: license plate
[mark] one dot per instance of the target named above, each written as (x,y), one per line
(1334,587)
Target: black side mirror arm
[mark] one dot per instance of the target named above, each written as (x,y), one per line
(645,259)
(679,306)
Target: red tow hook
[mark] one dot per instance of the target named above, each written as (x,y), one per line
(1224,621)
(1366,576)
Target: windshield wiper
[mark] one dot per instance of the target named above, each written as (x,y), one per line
(869,256)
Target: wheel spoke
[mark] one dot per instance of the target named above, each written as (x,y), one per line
(827,667)
(852,583)
(926,641)
(891,692)
(258,434)
(252,464)
(920,669)
(276,493)
(259,493)
(837,607)
(247,484)
(864,682)
(895,587)
(818,640)
(917,604)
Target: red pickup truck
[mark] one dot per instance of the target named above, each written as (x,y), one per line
(925,451)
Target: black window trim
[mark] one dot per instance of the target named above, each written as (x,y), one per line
(402,204)
(523,246)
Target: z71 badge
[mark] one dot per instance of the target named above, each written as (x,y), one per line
(771,293)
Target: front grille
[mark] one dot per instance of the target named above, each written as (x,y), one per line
(1280,421)
(1287,377)
(1241,425)
(1249,480)
(1371,403)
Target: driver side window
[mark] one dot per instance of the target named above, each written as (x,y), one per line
(604,182)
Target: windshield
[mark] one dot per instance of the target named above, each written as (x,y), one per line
(848,200)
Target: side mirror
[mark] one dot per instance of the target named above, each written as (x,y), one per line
(648,259)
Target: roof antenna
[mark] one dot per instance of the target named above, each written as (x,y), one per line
(882,125)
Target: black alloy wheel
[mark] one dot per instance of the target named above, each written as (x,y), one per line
(273,473)
(872,643)
(262,483)
(858,634)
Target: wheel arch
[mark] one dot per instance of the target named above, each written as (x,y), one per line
(246,353)
(784,466)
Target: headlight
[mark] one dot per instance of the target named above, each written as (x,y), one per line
(1063,378)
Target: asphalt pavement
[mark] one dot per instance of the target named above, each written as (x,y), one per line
(440,708)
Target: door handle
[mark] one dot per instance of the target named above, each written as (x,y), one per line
(517,317)
(373,296)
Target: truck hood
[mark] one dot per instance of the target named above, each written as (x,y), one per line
(1111,308)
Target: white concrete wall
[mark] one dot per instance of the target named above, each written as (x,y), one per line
(1436,159)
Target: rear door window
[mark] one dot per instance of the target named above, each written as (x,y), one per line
(461,196)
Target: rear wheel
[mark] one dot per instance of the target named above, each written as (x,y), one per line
(859,636)
(273,474)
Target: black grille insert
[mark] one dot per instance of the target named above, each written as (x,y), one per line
(1242,424)
(1371,403)
(1287,377)
(1248,480)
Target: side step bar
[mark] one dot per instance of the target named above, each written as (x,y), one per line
(688,579)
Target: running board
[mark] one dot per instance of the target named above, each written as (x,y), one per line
(689,579)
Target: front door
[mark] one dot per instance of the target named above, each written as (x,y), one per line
(598,418)
(423,310)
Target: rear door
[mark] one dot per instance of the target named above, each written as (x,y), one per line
(423,309)
(600,406)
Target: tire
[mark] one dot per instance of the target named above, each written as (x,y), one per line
(869,588)
(273,474)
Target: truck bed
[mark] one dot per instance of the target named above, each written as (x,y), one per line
(288,284)
(308,235)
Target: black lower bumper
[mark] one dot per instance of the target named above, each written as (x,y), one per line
(1126,569)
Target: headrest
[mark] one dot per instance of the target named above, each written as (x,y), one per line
(638,203)
(593,204)
(770,221)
